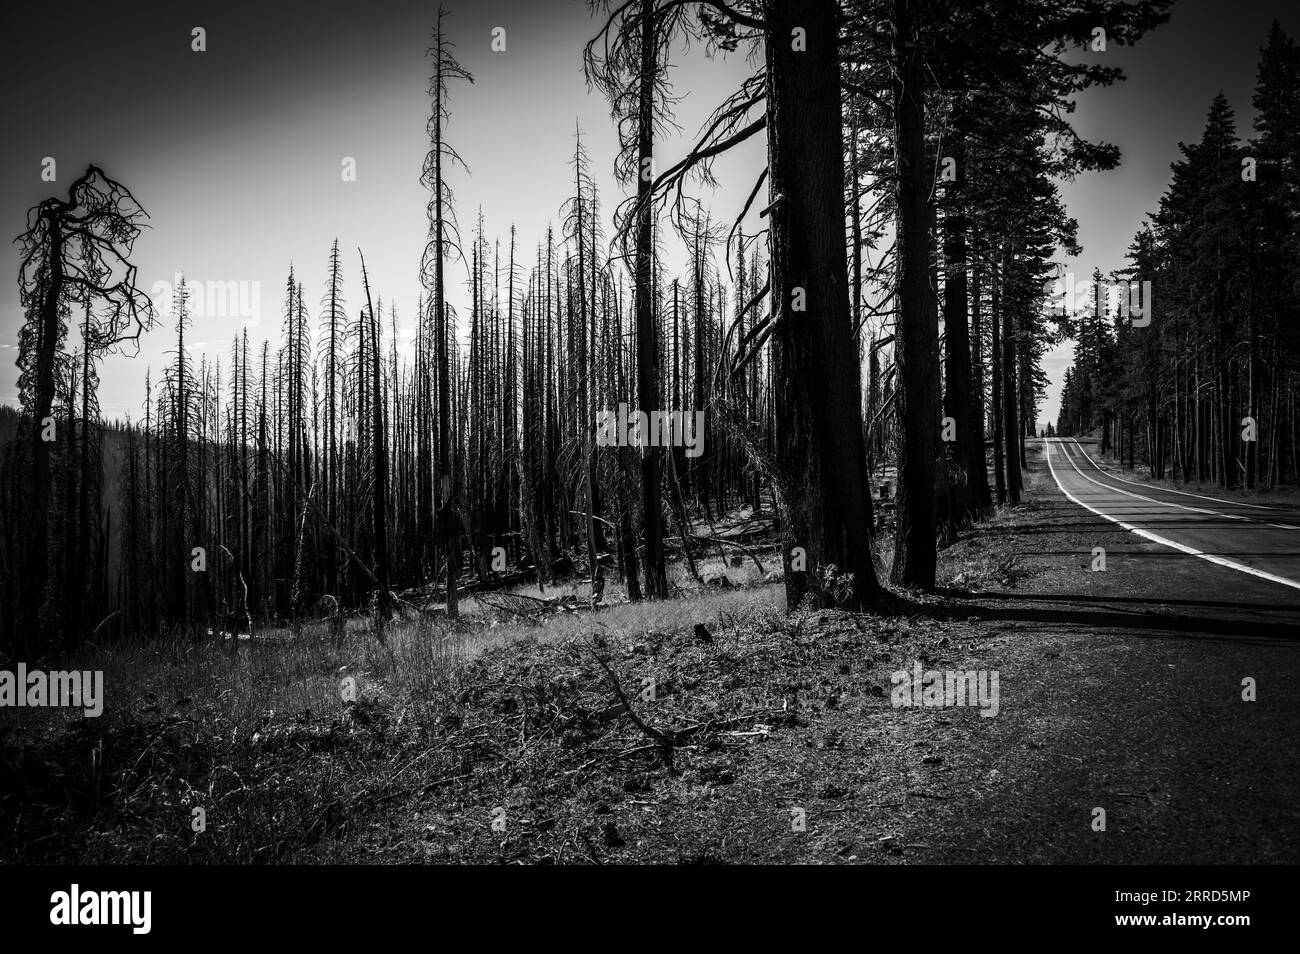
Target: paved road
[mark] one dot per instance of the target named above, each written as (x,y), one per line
(1239,538)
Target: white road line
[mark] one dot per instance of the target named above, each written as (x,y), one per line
(1170,503)
(1169,490)
(1156,538)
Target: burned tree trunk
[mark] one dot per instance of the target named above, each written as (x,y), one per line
(917,345)
(647,342)
(820,457)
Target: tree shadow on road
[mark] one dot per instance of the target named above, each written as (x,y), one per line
(1240,622)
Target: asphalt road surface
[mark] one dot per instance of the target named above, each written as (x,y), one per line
(1125,689)
(1237,537)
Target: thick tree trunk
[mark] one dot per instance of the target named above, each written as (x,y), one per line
(820,457)
(917,344)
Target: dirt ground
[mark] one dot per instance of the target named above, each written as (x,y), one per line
(1108,699)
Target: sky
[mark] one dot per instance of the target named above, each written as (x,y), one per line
(237,152)
(1172,75)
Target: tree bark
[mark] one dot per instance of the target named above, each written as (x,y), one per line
(819,454)
(647,342)
(917,344)
(960,401)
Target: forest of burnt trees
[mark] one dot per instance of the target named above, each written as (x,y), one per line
(1207,392)
(912,152)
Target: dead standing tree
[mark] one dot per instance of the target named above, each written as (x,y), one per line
(630,69)
(384,604)
(75,248)
(443,237)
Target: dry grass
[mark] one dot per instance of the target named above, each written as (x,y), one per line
(256,733)
(286,672)
(256,730)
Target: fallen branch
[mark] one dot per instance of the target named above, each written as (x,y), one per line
(666,740)
(745,550)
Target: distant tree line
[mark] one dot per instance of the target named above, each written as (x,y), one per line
(1203,388)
